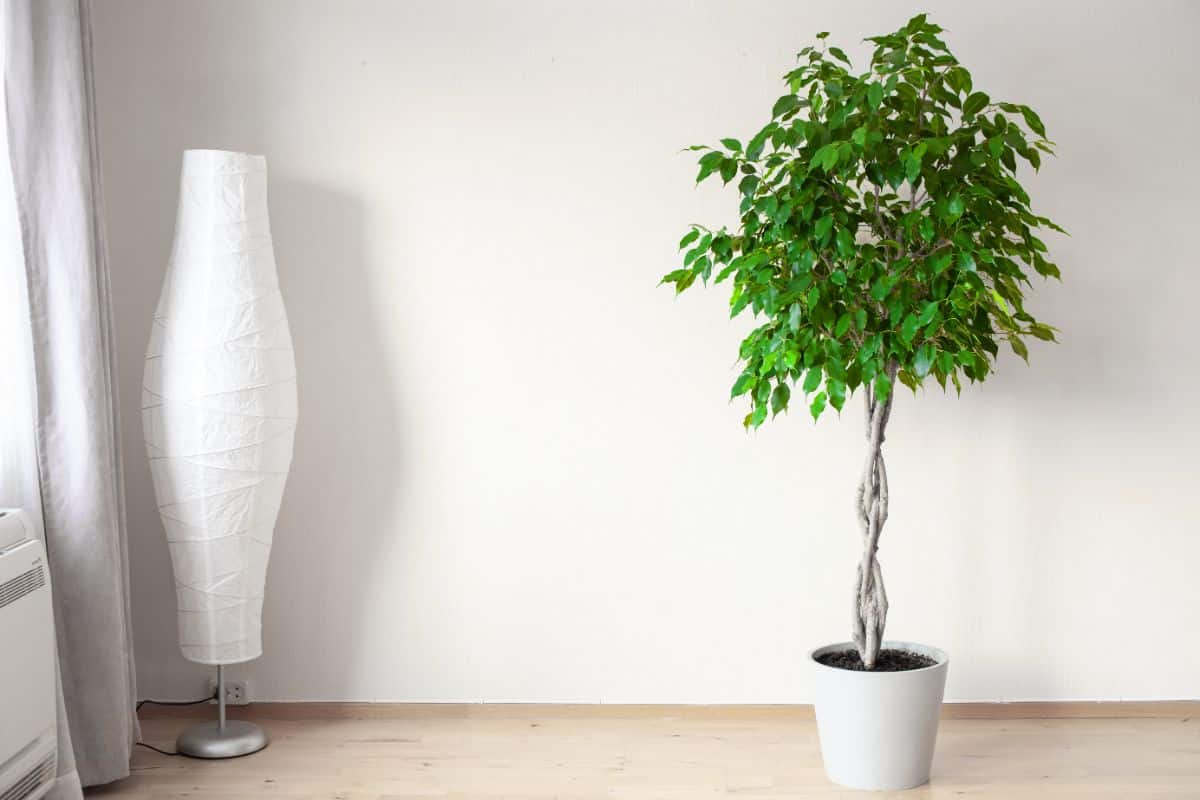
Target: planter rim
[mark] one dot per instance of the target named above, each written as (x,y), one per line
(209,161)
(938,655)
(215,151)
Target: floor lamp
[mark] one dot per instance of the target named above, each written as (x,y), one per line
(219,417)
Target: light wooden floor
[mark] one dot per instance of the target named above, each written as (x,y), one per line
(656,752)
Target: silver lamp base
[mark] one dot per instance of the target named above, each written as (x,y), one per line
(210,740)
(221,737)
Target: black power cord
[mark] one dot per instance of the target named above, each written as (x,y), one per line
(141,703)
(155,749)
(208,699)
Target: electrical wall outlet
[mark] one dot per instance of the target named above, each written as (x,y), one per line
(236,692)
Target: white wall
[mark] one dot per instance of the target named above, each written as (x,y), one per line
(517,476)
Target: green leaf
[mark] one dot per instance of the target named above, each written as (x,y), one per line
(831,158)
(755,146)
(1043,332)
(845,246)
(758,416)
(1019,348)
(945,360)
(1047,269)
(812,380)
(1002,303)
(860,319)
(738,301)
(975,103)
(732,144)
(868,349)
(908,328)
(826,157)
(1033,121)
(874,96)
(966,262)
(954,208)
(673,277)
(883,387)
(926,228)
(779,398)
(927,313)
(837,53)
(688,238)
(823,226)
(789,102)
(794,317)
(709,163)
(807,259)
(743,384)
(962,79)
(923,360)
(837,393)
(817,406)
(838,277)
(728,170)
(912,168)
(843,324)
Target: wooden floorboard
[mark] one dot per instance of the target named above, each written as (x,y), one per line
(635,752)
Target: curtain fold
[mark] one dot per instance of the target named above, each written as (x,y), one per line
(50,121)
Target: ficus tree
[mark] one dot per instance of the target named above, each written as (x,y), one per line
(883,236)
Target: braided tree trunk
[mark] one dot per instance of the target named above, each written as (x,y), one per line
(870,599)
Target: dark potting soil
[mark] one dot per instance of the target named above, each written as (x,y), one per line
(887,661)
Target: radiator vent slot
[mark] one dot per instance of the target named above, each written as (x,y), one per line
(13,590)
(32,781)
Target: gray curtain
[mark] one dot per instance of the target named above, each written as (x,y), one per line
(52,148)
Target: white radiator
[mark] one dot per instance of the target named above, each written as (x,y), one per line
(28,746)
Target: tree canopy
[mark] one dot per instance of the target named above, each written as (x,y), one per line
(883,229)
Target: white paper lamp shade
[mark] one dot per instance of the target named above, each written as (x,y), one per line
(219,404)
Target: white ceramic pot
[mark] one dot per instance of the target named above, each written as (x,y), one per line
(878,729)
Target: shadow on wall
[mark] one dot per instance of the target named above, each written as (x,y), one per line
(335,522)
